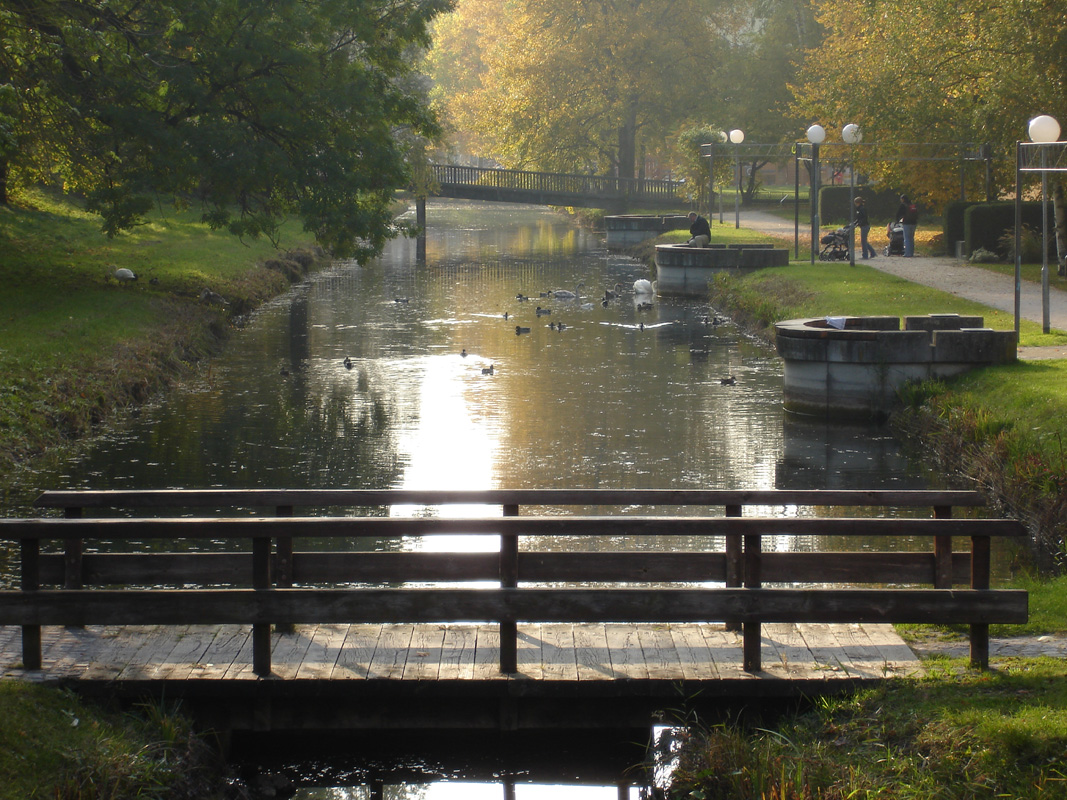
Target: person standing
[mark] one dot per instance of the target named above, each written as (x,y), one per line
(908,217)
(699,231)
(863,222)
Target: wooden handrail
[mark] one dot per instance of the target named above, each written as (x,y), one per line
(321,498)
(744,568)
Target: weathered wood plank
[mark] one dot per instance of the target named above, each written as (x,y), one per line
(487,654)
(725,647)
(695,659)
(320,498)
(660,655)
(892,648)
(591,652)
(624,649)
(289,649)
(357,652)
(457,652)
(391,654)
(138,607)
(322,654)
(424,658)
(790,657)
(558,658)
(386,527)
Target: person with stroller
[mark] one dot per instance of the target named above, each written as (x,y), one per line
(863,222)
(699,230)
(908,217)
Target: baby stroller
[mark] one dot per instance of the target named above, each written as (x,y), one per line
(895,231)
(835,245)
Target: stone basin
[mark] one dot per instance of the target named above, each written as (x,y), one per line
(854,367)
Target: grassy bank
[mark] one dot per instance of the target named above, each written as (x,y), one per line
(78,346)
(54,745)
(1003,427)
(952,734)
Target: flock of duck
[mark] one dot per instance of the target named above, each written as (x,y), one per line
(643,290)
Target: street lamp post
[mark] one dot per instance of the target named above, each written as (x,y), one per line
(816,135)
(736,137)
(1042,129)
(852,136)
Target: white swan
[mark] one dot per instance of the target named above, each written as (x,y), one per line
(643,286)
(563,294)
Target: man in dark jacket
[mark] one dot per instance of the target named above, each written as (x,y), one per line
(699,230)
(908,216)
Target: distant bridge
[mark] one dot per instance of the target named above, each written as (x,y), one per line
(547,188)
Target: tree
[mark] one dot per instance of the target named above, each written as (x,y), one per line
(939,71)
(257,111)
(580,85)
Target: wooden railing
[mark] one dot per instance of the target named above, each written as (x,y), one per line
(548,183)
(271,583)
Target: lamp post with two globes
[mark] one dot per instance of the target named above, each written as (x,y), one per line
(816,135)
(852,135)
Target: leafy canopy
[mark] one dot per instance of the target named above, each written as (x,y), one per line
(257,111)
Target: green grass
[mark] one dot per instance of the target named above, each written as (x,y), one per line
(54,745)
(953,734)
(75,344)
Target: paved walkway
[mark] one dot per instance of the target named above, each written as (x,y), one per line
(956,277)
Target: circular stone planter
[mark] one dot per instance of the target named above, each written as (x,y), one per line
(853,367)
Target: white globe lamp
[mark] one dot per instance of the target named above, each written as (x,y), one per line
(816,134)
(1044,129)
(851,133)
(737,136)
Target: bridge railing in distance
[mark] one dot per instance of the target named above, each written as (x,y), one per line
(552,183)
(715,568)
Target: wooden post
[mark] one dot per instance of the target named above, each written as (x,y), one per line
(942,552)
(31,582)
(283,576)
(509,579)
(980,564)
(72,555)
(261,582)
(735,568)
(751,631)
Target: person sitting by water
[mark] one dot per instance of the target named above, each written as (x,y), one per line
(699,230)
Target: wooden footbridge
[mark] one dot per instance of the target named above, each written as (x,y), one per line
(262,619)
(556,189)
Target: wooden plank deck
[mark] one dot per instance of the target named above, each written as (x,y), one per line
(547,653)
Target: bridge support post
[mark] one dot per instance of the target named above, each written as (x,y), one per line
(31,582)
(509,579)
(751,631)
(980,562)
(420,213)
(261,582)
(734,562)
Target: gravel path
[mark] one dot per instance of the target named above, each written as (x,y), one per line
(956,277)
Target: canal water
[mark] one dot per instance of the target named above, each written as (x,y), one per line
(437,372)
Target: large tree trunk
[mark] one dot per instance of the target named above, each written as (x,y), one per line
(628,145)
(1059,205)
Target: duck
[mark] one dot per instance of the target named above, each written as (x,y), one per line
(563,294)
(400,299)
(560,327)
(730,380)
(543,311)
(644,306)
(123,275)
(463,353)
(505,315)
(347,362)
(212,298)
(611,294)
(521,330)
(487,370)
(644,286)
(521,297)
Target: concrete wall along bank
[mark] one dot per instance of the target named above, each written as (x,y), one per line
(853,367)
